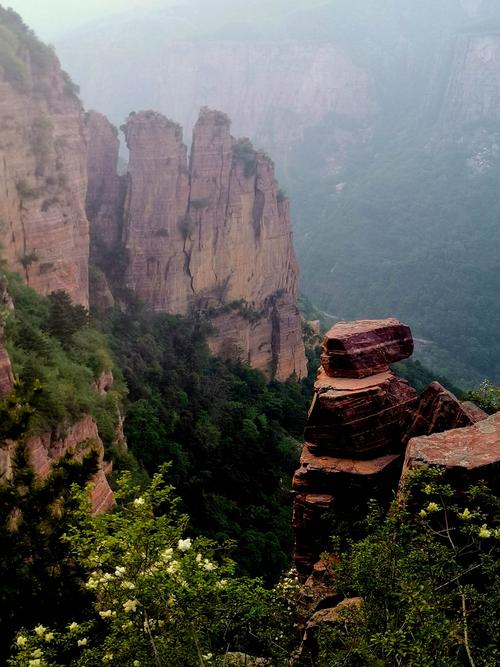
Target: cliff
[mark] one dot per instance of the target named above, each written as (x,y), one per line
(210,235)
(43,178)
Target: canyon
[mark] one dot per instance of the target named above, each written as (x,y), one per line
(383,121)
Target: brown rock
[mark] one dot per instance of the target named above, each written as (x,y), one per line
(214,238)
(82,437)
(341,613)
(365,347)
(439,410)
(309,519)
(43,178)
(6,375)
(359,417)
(466,454)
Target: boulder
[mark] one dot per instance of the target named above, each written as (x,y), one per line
(439,410)
(365,347)
(467,454)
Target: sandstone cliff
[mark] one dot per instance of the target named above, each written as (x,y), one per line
(211,235)
(43,179)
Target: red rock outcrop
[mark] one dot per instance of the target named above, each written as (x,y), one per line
(439,410)
(365,347)
(211,236)
(354,432)
(467,454)
(44,231)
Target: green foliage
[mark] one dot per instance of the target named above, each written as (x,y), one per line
(53,347)
(428,578)
(17,41)
(487,397)
(40,579)
(158,597)
(218,422)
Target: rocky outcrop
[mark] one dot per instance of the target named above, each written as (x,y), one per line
(354,432)
(211,236)
(439,410)
(43,176)
(467,455)
(80,439)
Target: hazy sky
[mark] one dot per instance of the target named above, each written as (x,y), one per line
(50,17)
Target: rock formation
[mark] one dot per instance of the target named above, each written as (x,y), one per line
(80,439)
(212,235)
(468,454)
(43,178)
(359,426)
(354,431)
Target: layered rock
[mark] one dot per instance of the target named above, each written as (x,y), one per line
(467,455)
(365,347)
(439,410)
(212,236)
(6,375)
(43,176)
(354,432)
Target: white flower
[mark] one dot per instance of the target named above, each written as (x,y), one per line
(72,627)
(21,641)
(82,642)
(107,577)
(136,663)
(173,567)
(139,501)
(127,625)
(207,656)
(222,583)
(166,555)
(433,507)
(466,514)
(108,657)
(91,584)
(130,605)
(128,585)
(49,636)
(37,653)
(106,614)
(35,663)
(208,566)
(40,630)
(184,545)
(120,571)
(198,558)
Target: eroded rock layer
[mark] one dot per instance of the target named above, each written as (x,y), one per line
(365,347)
(44,231)
(358,426)
(211,235)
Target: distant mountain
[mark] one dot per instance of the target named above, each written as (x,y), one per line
(384,121)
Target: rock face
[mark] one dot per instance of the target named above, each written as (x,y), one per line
(44,450)
(6,376)
(105,188)
(439,410)
(43,177)
(212,235)
(467,454)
